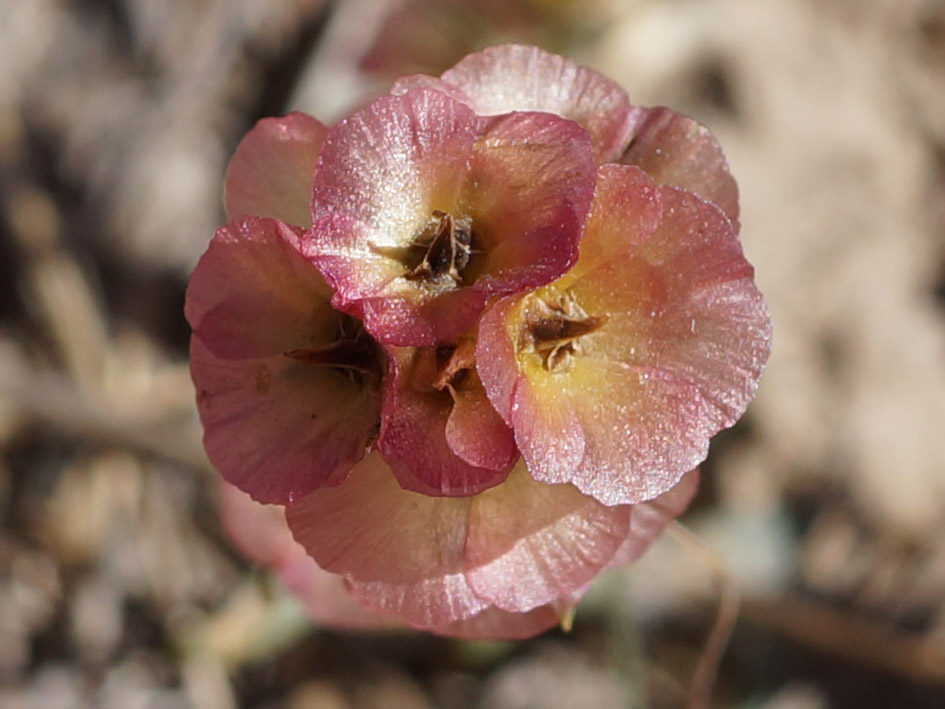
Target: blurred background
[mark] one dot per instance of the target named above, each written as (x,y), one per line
(827,502)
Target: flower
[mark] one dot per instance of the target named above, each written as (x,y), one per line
(474,339)
(422,209)
(387,546)
(615,376)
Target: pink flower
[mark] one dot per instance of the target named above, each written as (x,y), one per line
(483,366)
(615,376)
(506,565)
(422,210)
(268,350)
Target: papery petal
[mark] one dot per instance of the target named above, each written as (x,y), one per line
(476,433)
(414,440)
(261,534)
(532,185)
(253,294)
(678,340)
(406,83)
(268,425)
(514,77)
(382,173)
(278,428)
(649,519)
(400,551)
(523,182)
(270,174)
(676,150)
(437,560)
(515,388)
(530,543)
(495,624)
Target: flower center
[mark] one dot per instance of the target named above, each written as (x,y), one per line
(352,352)
(554,330)
(441,252)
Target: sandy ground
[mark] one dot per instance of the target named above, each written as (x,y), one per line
(826,503)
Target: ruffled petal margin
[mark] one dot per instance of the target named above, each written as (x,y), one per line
(260,533)
(410,165)
(676,150)
(435,561)
(516,77)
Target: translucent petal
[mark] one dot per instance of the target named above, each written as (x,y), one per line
(675,150)
(270,174)
(514,77)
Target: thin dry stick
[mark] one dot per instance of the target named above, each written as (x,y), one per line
(842,633)
(703,678)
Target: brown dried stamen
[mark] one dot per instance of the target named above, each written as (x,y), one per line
(441,252)
(455,362)
(353,351)
(553,331)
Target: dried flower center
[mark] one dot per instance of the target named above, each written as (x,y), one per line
(352,352)
(554,330)
(444,368)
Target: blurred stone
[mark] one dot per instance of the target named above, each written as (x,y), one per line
(390,691)
(317,695)
(556,678)
(797,696)
(95,617)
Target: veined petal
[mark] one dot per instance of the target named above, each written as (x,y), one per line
(495,624)
(421,209)
(268,354)
(650,351)
(438,560)
(475,432)
(515,77)
(400,551)
(676,150)
(404,84)
(530,543)
(253,294)
(278,428)
(531,189)
(270,174)
(649,519)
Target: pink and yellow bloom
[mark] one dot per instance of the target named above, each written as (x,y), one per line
(474,338)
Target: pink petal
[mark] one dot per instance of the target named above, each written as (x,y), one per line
(495,624)
(530,544)
(515,77)
(476,433)
(679,339)
(252,299)
(649,519)
(415,432)
(270,174)
(546,421)
(267,428)
(675,150)
(438,560)
(400,551)
(261,534)
(253,294)
(406,83)
(533,183)
(523,183)
(382,173)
